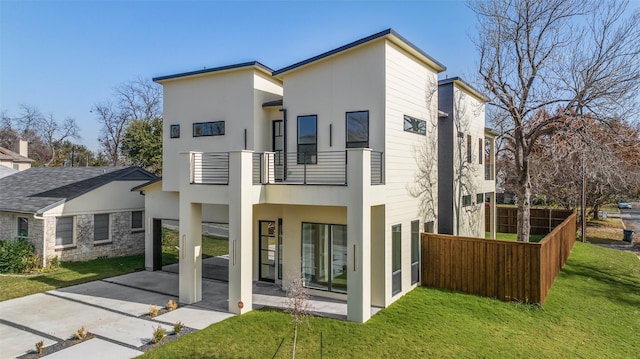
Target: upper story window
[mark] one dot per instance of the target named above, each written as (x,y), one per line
(201,129)
(415,125)
(466,200)
(174,131)
(307,139)
(358,129)
(23,227)
(469,157)
(480,149)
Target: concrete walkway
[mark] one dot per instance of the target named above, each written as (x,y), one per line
(115,311)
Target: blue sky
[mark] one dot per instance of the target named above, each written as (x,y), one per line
(64,57)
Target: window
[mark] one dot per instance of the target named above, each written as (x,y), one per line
(480,149)
(358,129)
(23,227)
(324,256)
(415,125)
(396,259)
(64,231)
(466,200)
(16,166)
(201,129)
(101,228)
(307,139)
(175,131)
(415,252)
(480,198)
(469,148)
(137,220)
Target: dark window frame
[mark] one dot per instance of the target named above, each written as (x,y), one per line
(480,198)
(419,131)
(480,149)
(20,229)
(466,200)
(141,228)
(304,157)
(213,128)
(330,254)
(415,251)
(469,149)
(396,259)
(355,144)
(174,131)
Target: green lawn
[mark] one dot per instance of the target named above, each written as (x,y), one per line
(592,311)
(514,237)
(211,246)
(69,273)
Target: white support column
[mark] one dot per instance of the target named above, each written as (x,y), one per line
(493,208)
(359,235)
(240,232)
(190,262)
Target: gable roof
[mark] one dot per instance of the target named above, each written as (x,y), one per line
(255,64)
(388,33)
(37,190)
(7,154)
(6,171)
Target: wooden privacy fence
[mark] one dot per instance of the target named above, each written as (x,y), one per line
(543,220)
(510,271)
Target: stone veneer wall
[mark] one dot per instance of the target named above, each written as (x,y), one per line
(9,227)
(123,242)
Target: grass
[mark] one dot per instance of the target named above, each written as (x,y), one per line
(211,246)
(593,310)
(514,237)
(69,273)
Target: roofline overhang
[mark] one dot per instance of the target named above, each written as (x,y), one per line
(389,34)
(465,86)
(255,64)
(146,184)
(491,132)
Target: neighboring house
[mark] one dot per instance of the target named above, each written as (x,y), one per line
(75,213)
(19,161)
(6,171)
(466,185)
(325,169)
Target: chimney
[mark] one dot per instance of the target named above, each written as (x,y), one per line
(22,148)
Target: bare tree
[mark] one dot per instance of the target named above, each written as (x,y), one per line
(578,55)
(298,306)
(53,133)
(113,124)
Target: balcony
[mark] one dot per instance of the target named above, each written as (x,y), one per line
(273,168)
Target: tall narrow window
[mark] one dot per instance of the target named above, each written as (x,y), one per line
(469,148)
(415,252)
(358,129)
(23,227)
(324,256)
(101,229)
(480,149)
(64,231)
(308,139)
(396,259)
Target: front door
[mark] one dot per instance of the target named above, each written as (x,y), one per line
(268,251)
(278,148)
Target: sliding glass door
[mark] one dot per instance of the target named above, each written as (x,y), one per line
(324,256)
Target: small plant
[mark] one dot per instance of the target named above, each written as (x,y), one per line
(39,346)
(298,306)
(18,256)
(153,311)
(172,304)
(158,334)
(54,263)
(177,328)
(81,333)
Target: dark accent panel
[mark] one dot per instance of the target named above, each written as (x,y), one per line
(157,244)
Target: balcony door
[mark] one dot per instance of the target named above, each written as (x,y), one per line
(268,251)
(278,148)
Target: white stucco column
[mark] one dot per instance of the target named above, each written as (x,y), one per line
(359,235)
(493,208)
(240,232)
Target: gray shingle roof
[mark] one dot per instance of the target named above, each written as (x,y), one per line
(38,189)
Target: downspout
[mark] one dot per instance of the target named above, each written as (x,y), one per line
(284,144)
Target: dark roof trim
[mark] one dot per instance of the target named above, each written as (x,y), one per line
(464,84)
(215,69)
(139,187)
(357,43)
(272,103)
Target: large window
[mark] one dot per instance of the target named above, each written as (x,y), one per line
(23,227)
(101,227)
(324,256)
(358,129)
(415,252)
(396,259)
(201,129)
(415,125)
(137,220)
(64,231)
(307,139)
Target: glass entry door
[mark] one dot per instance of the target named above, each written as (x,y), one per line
(278,148)
(268,251)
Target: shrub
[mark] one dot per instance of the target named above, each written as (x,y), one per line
(172,304)
(158,334)
(39,346)
(81,333)
(18,256)
(177,328)
(153,311)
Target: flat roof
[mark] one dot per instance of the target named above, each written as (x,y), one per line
(389,33)
(215,69)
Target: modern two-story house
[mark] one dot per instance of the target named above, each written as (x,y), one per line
(326,169)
